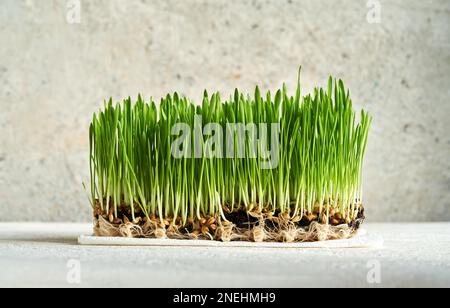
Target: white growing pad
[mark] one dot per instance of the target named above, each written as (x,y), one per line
(361,240)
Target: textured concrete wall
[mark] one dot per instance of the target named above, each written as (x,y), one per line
(54,74)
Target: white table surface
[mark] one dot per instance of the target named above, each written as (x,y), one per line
(46,255)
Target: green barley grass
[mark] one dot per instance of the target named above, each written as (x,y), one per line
(322,146)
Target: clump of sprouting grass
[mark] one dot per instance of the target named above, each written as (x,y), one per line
(320,161)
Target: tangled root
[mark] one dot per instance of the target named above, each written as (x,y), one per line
(259,234)
(263,227)
(104,228)
(225,232)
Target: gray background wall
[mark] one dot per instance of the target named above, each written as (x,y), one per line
(54,75)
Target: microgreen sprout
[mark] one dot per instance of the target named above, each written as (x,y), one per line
(320,164)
